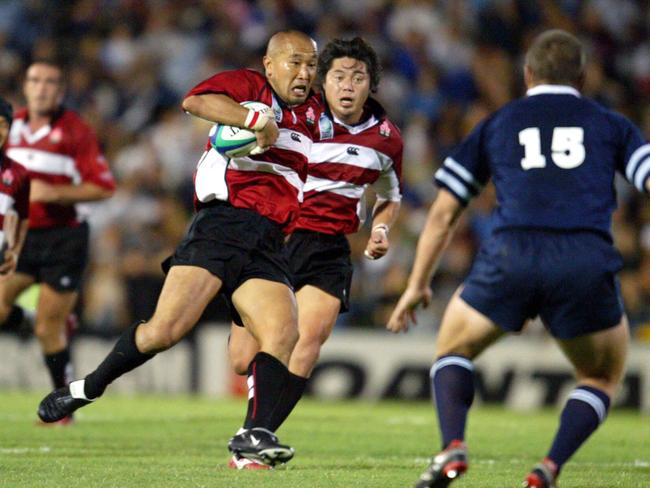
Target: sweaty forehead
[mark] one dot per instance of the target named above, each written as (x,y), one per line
(349,64)
(293,46)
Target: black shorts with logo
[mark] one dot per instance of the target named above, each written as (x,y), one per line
(56,256)
(234,244)
(321,260)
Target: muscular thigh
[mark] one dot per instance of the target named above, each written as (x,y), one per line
(186,292)
(464,330)
(265,307)
(317,313)
(13,285)
(599,355)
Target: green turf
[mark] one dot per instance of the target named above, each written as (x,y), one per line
(180,442)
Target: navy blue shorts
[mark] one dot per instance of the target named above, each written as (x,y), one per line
(323,261)
(567,278)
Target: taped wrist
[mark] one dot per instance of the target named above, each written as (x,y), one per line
(255,120)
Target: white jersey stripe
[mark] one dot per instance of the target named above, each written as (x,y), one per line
(343,188)
(457,186)
(291,140)
(592,400)
(387,187)
(248,164)
(634,161)
(351,154)
(453,165)
(6,202)
(642,172)
(210,181)
(45,162)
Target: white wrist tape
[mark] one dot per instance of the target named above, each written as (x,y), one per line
(255,120)
(383,227)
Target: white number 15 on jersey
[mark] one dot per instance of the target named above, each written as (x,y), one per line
(567,148)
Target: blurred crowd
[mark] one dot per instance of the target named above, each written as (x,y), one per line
(446,65)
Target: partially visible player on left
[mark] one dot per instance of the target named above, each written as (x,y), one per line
(66,166)
(14,200)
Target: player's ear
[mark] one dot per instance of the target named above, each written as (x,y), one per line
(528,76)
(268,66)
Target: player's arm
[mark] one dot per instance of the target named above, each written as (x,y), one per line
(224,110)
(68,194)
(15,230)
(438,231)
(383,217)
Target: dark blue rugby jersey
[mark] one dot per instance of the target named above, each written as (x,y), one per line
(552,157)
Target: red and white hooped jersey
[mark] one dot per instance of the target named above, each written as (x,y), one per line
(14,191)
(270,183)
(343,162)
(63,152)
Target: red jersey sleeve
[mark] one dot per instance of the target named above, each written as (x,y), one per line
(90,161)
(241,85)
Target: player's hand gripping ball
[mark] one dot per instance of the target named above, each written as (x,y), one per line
(235,142)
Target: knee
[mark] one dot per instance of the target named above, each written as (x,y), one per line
(240,360)
(607,381)
(5,310)
(280,339)
(46,330)
(156,336)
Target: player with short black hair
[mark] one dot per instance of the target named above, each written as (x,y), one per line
(355,146)
(234,243)
(356,48)
(66,167)
(552,157)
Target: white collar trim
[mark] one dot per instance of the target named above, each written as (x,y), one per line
(356,129)
(553,90)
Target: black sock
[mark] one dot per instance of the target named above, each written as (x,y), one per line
(290,397)
(123,358)
(59,367)
(267,379)
(14,319)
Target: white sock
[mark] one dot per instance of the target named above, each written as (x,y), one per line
(77,390)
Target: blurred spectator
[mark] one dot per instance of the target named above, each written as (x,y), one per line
(447,64)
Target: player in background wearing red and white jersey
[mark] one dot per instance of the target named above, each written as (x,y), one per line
(65,165)
(234,244)
(356,146)
(14,200)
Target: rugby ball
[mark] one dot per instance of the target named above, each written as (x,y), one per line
(235,142)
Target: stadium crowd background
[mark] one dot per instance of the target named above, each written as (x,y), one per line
(447,64)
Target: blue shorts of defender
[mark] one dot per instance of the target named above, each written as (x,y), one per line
(567,278)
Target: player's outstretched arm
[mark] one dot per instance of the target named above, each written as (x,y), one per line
(68,194)
(440,227)
(384,216)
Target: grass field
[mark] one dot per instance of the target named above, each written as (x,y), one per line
(180,442)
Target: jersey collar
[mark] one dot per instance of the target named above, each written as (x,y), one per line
(552,90)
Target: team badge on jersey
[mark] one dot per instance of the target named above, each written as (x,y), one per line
(277,109)
(7,177)
(310,116)
(325,127)
(384,129)
(56,136)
